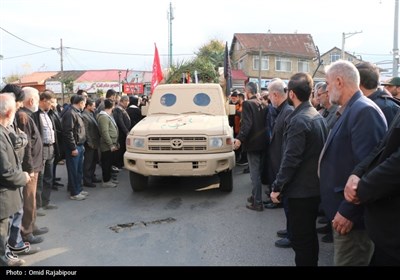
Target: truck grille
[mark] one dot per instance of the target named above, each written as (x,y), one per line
(171,143)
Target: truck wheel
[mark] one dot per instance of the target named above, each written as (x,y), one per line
(138,182)
(225,181)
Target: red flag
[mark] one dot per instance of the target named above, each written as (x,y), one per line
(157,71)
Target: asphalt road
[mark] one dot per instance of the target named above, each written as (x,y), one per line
(169,224)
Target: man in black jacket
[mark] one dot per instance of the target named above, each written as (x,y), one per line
(253,138)
(297,179)
(375,183)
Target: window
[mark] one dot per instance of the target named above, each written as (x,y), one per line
(283,64)
(335,57)
(168,99)
(264,62)
(240,64)
(303,66)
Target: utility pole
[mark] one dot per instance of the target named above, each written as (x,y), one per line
(344,37)
(170,19)
(259,68)
(119,82)
(62,70)
(396,40)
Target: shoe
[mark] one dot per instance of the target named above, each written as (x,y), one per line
(58,184)
(40,213)
(328,238)
(282,233)
(323,220)
(114,181)
(84,193)
(115,169)
(50,206)
(40,231)
(57,179)
(273,205)
(96,180)
(246,170)
(32,239)
(255,207)
(283,243)
(108,184)
(242,163)
(267,201)
(89,185)
(25,249)
(22,246)
(250,199)
(324,230)
(29,251)
(77,197)
(9,259)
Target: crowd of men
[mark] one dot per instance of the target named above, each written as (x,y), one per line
(35,135)
(330,149)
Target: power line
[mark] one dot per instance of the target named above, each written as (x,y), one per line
(11,57)
(23,40)
(83,50)
(120,53)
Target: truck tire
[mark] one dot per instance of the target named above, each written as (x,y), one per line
(138,181)
(225,181)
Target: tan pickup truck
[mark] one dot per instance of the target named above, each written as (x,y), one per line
(185,133)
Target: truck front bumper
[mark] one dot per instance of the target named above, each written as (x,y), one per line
(179,165)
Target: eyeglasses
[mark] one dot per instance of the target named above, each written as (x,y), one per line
(321,93)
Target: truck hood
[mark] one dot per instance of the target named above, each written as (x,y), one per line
(181,124)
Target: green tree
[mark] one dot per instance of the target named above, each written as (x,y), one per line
(214,52)
(207,61)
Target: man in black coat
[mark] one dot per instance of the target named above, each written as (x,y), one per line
(297,179)
(253,139)
(375,183)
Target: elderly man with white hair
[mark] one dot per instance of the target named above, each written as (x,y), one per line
(12,179)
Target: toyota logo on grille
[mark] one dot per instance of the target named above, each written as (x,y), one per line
(176,143)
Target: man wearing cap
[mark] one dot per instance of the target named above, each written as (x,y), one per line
(393,86)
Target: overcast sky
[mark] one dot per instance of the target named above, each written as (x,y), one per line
(131,26)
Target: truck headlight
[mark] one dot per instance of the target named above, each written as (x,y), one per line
(216,142)
(138,143)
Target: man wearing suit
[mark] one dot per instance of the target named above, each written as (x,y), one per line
(278,96)
(12,180)
(379,191)
(360,126)
(92,144)
(297,179)
(254,139)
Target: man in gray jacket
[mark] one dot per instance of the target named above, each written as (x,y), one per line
(12,180)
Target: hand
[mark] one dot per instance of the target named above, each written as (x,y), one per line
(114,148)
(275,197)
(342,225)
(28,178)
(236,144)
(350,190)
(74,153)
(31,174)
